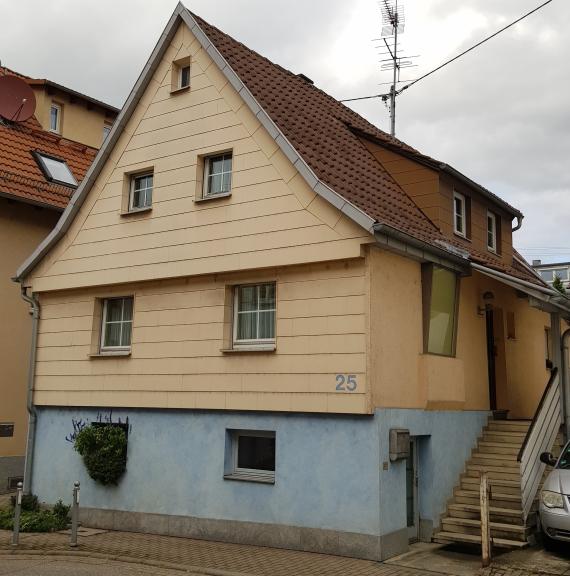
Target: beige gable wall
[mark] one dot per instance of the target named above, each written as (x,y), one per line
(179,332)
(272,218)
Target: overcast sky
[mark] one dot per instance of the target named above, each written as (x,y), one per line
(501,114)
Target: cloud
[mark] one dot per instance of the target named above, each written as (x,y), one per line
(499,114)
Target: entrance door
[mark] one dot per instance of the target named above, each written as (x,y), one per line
(412,478)
(491,356)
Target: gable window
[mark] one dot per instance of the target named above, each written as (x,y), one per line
(55,170)
(184,76)
(252,455)
(459,214)
(254,315)
(141,191)
(440,299)
(117,324)
(55,118)
(217,175)
(491,232)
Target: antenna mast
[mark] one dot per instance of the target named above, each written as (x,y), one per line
(393,21)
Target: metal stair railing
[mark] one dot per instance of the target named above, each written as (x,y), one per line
(540,438)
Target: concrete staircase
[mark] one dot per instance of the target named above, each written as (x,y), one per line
(496,452)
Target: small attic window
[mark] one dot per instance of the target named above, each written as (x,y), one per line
(180,80)
(55,170)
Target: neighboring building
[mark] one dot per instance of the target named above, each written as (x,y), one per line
(548,272)
(72,115)
(39,172)
(273,292)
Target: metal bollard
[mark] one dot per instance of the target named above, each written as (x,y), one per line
(74,514)
(17,512)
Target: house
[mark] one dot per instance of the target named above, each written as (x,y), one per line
(306,322)
(548,272)
(31,202)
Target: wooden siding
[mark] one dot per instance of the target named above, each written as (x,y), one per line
(178,335)
(271,219)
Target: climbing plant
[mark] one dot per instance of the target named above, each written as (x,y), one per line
(104,452)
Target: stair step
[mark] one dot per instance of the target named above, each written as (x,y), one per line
(509,425)
(498,448)
(473,511)
(507,436)
(448,537)
(502,486)
(498,529)
(499,500)
(509,459)
(496,472)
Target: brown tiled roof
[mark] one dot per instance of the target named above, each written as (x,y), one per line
(20,175)
(325,133)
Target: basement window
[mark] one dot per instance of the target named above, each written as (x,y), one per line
(251,456)
(55,170)
(440,289)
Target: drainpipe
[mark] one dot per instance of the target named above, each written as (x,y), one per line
(565,368)
(519,223)
(35,312)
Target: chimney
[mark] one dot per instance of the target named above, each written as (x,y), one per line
(536,262)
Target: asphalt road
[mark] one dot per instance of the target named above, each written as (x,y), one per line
(60,566)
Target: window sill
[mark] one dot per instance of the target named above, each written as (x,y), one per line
(118,353)
(249,349)
(250,478)
(137,211)
(462,236)
(180,90)
(212,197)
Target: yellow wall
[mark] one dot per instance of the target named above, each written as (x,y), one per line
(78,122)
(178,337)
(401,376)
(272,218)
(22,227)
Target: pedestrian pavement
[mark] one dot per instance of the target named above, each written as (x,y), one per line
(224,559)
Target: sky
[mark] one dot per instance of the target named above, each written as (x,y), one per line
(500,115)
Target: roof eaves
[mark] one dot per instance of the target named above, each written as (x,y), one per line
(81,193)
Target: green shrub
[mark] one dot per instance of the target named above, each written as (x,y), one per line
(37,520)
(104,452)
(61,511)
(29,502)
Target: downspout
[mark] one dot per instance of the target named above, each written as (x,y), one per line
(565,383)
(35,312)
(519,223)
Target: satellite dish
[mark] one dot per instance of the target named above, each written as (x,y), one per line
(17,99)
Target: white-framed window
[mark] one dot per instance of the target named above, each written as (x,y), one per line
(252,454)
(55,117)
(184,76)
(548,275)
(117,324)
(140,196)
(254,315)
(491,232)
(55,170)
(459,214)
(217,175)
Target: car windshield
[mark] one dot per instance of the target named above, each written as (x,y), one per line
(564,461)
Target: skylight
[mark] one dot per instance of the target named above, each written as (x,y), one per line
(56,170)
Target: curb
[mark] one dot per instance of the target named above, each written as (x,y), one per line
(187,569)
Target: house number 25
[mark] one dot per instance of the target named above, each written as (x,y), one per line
(346,382)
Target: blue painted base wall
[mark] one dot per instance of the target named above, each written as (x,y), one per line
(329,469)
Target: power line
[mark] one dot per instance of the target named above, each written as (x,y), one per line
(398,92)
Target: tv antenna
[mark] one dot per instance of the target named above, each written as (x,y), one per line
(393,23)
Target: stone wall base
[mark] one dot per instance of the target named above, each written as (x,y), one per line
(354,545)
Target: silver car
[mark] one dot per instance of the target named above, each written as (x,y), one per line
(555,499)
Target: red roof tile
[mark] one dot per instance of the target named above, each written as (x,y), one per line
(20,175)
(322,130)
